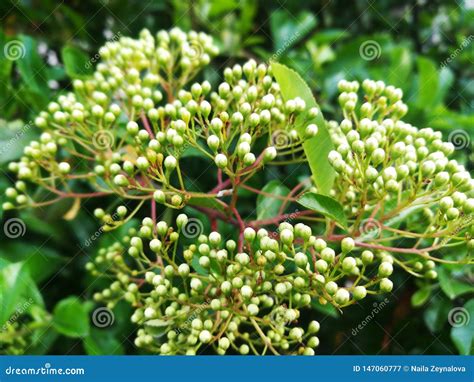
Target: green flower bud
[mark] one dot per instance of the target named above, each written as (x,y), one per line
(385,269)
(342,296)
(221,160)
(249,234)
(386,285)
(359,292)
(367,257)
(347,244)
(331,287)
(159,196)
(328,255)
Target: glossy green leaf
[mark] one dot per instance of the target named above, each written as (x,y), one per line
(102,342)
(268,207)
(32,68)
(462,333)
(14,136)
(451,285)
(287,29)
(158,327)
(317,148)
(70,318)
(207,202)
(420,296)
(76,62)
(436,313)
(325,205)
(400,68)
(22,291)
(428,83)
(327,309)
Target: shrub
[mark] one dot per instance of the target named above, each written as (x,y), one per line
(376,193)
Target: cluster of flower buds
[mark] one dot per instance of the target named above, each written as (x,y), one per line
(209,294)
(130,130)
(126,130)
(386,167)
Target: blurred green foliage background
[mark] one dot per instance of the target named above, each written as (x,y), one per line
(424,47)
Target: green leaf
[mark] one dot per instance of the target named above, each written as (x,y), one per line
(327,309)
(452,286)
(158,327)
(198,267)
(318,147)
(428,83)
(40,262)
(70,318)
(420,296)
(32,68)
(14,136)
(462,333)
(102,342)
(436,313)
(18,291)
(268,207)
(401,66)
(76,62)
(287,29)
(206,202)
(325,205)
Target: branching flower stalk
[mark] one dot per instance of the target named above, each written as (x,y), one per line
(128,131)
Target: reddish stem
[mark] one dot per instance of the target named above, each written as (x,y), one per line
(220,186)
(147,126)
(153,212)
(391,249)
